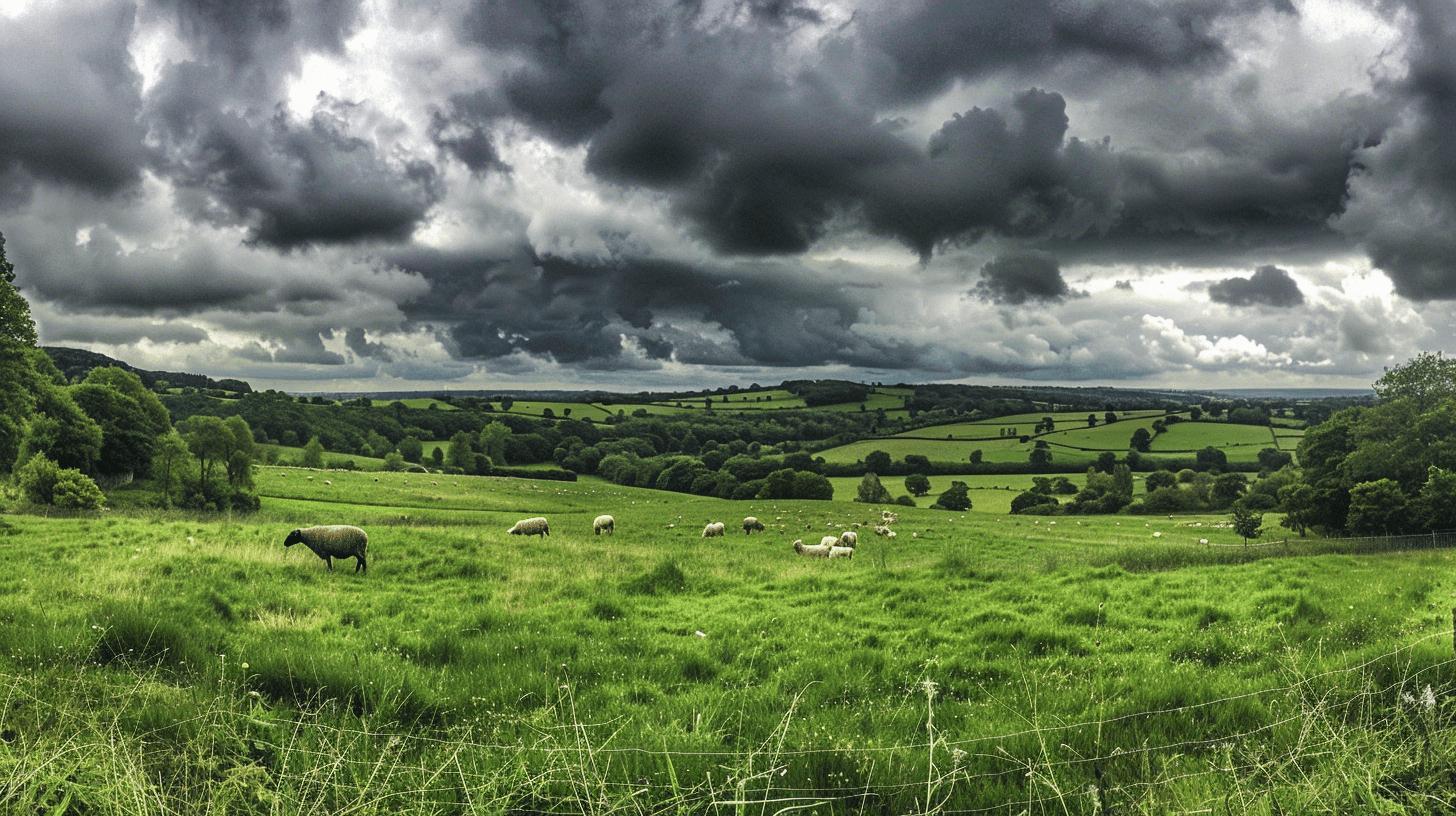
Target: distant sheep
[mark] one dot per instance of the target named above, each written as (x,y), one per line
(333,541)
(604,524)
(849,538)
(532,526)
(811,550)
(886,517)
(882,530)
(714,529)
(841,552)
(752,525)
(829,541)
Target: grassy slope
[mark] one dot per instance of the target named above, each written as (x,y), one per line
(494,646)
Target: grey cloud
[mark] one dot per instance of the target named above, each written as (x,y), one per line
(358,342)
(1022,278)
(1268,286)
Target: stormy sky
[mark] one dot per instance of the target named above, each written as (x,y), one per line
(380,194)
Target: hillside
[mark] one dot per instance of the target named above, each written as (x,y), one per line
(75,363)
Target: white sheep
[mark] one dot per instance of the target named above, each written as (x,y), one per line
(829,541)
(1202,541)
(604,524)
(849,538)
(752,525)
(882,530)
(841,552)
(810,550)
(713,529)
(532,526)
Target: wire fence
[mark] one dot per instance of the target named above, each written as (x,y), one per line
(570,766)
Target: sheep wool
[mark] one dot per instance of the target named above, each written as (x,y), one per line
(829,541)
(604,524)
(811,550)
(714,529)
(532,526)
(841,552)
(333,541)
(752,525)
(849,538)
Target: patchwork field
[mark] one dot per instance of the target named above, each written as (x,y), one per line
(976,663)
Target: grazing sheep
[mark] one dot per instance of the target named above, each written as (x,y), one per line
(890,534)
(811,550)
(882,530)
(329,482)
(849,538)
(752,525)
(714,529)
(333,541)
(886,517)
(841,552)
(829,541)
(1202,541)
(604,524)
(532,526)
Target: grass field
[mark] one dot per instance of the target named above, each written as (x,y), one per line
(993,664)
(418,402)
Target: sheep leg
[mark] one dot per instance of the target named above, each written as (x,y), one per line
(361,565)
(330,561)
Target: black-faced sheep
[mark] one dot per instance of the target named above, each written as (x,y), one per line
(714,529)
(752,525)
(532,526)
(333,541)
(604,524)
(849,538)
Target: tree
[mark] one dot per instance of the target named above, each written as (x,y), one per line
(1426,379)
(1141,440)
(61,430)
(239,451)
(956,497)
(1106,461)
(1210,458)
(917,484)
(1030,501)
(1274,459)
(1227,488)
(1158,479)
(411,449)
(1195,413)
(16,325)
(976,456)
(878,462)
(1247,523)
(169,465)
(313,453)
(1091,420)
(918,462)
(437,456)
(1376,508)
(74,490)
(128,434)
(377,444)
(1040,456)
(1435,505)
(871,491)
(507,403)
(461,453)
(1109,418)
(493,439)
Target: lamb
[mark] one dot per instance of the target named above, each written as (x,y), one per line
(532,526)
(841,552)
(333,541)
(713,529)
(811,550)
(604,524)
(752,525)
(849,538)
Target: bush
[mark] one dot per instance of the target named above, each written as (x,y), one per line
(956,497)
(37,479)
(905,501)
(1032,503)
(74,490)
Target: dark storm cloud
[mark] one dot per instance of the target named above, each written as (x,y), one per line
(579,313)
(921,47)
(1268,286)
(260,39)
(357,342)
(69,99)
(1022,278)
(1402,203)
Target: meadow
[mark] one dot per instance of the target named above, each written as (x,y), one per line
(978,663)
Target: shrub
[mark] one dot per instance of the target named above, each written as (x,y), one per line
(956,497)
(74,490)
(37,479)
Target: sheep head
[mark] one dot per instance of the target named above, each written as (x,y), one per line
(295,537)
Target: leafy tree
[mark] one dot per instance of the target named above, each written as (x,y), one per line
(1274,459)
(871,491)
(878,462)
(128,433)
(810,485)
(917,484)
(16,325)
(1425,380)
(918,462)
(1435,505)
(976,456)
(411,449)
(1106,461)
(1227,488)
(437,456)
(313,454)
(36,479)
(1030,501)
(461,452)
(1195,413)
(1160,479)
(169,465)
(1141,440)
(1109,418)
(1041,455)
(128,383)
(1210,458)
(74,490)
(493,440)
(1247,523)
(377,444)
(1377,508)
(956,497)
(61,430)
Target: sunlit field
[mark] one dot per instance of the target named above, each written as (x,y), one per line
(976,662)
